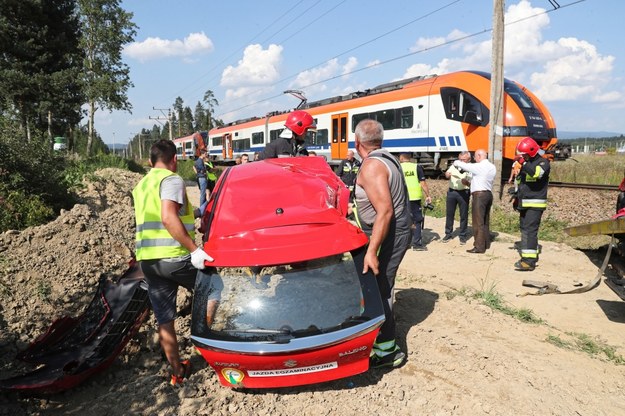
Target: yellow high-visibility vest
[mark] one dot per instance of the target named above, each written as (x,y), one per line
(152,240)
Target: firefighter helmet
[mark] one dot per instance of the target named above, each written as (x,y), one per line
(528,146)
(299,121)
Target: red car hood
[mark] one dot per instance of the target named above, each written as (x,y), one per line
(278,211)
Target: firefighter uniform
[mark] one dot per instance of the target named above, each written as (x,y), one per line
(532,181)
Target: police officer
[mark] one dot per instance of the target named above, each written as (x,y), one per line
(417,186)
(291,140)
(532,180)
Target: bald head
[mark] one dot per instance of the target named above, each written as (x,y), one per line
(480,154)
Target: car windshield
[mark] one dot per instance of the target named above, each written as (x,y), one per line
(280,303)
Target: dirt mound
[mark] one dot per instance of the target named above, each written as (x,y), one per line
(463,357)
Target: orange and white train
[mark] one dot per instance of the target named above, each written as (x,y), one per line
(431,117)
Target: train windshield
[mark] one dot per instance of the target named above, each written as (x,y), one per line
(279,303)
(517,94)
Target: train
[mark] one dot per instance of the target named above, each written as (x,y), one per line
(189,147)
(432,117)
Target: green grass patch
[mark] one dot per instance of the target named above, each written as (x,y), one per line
(591,346)
(489,297)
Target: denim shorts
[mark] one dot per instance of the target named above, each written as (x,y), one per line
(163,278)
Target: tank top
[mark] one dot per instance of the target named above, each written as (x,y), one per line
(365,211)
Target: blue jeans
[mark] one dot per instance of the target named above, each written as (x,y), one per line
(203,183)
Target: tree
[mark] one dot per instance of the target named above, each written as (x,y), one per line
(211,102)
(39,64)
(187,121)
(106,28)
(199,118)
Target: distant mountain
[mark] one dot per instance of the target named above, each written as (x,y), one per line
(569,135)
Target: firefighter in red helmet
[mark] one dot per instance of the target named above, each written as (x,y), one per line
(532,182)
(291,140)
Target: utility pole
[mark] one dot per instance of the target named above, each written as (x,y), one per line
(164,117)
(114,143)
(496,97)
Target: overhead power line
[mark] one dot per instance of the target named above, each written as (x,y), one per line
(397,58)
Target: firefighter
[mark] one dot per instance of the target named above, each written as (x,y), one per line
(291,140)
(532,181)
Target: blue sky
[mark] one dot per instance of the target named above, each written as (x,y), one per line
(249,52)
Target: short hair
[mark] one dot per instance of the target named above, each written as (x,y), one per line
(370,132)
(405,155)
(163,150)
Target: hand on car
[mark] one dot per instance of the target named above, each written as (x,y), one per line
(198,257)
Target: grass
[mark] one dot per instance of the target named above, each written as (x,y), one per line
(488,296)
(603,170)
(44,290)
(591,346)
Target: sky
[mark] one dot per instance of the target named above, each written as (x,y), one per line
(249,52)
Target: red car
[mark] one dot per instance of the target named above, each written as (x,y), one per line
(286,302)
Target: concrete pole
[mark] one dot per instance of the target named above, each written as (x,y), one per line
(495,150)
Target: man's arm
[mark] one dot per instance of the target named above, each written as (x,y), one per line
(173,224)
(373,179)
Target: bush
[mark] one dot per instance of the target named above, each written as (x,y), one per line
(36,182)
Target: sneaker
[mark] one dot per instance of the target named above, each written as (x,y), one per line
(394,360)
(524,266)
(463,241)
(446,239)
(186,372)
(419,247)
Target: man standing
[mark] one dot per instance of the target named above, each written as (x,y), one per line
(291,140)
(532,180)
(199,168)
(482,177)
(417,186)
(457,197)
(165,245)
(348,170)
(381,210)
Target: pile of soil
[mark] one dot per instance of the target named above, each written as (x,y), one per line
(464,358)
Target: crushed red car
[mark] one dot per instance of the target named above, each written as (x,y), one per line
(285,302)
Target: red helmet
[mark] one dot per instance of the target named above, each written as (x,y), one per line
(528,146)
(299,121)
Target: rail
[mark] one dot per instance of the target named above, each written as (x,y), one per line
(597,187)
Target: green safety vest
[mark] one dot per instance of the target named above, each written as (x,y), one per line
(210,175)
(152,240)
(412,181)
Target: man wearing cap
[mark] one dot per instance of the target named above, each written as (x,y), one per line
(291,140)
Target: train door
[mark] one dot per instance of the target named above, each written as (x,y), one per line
(339,136)
(226,152)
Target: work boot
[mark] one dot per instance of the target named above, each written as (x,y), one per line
(524,266)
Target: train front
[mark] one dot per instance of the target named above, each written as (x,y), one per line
(286,303)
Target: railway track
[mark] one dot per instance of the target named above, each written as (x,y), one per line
(584,186)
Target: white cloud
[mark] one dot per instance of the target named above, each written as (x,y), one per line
(350,65)
(565,69)
(157,48)
(257,67)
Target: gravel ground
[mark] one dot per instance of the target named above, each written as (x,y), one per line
(52,270)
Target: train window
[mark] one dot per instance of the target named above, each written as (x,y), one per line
(405,117)
(258,138)
(386,118)
(321,138)
(273,134)
(218,141)
(241,144)
(520,98)
(357,118)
